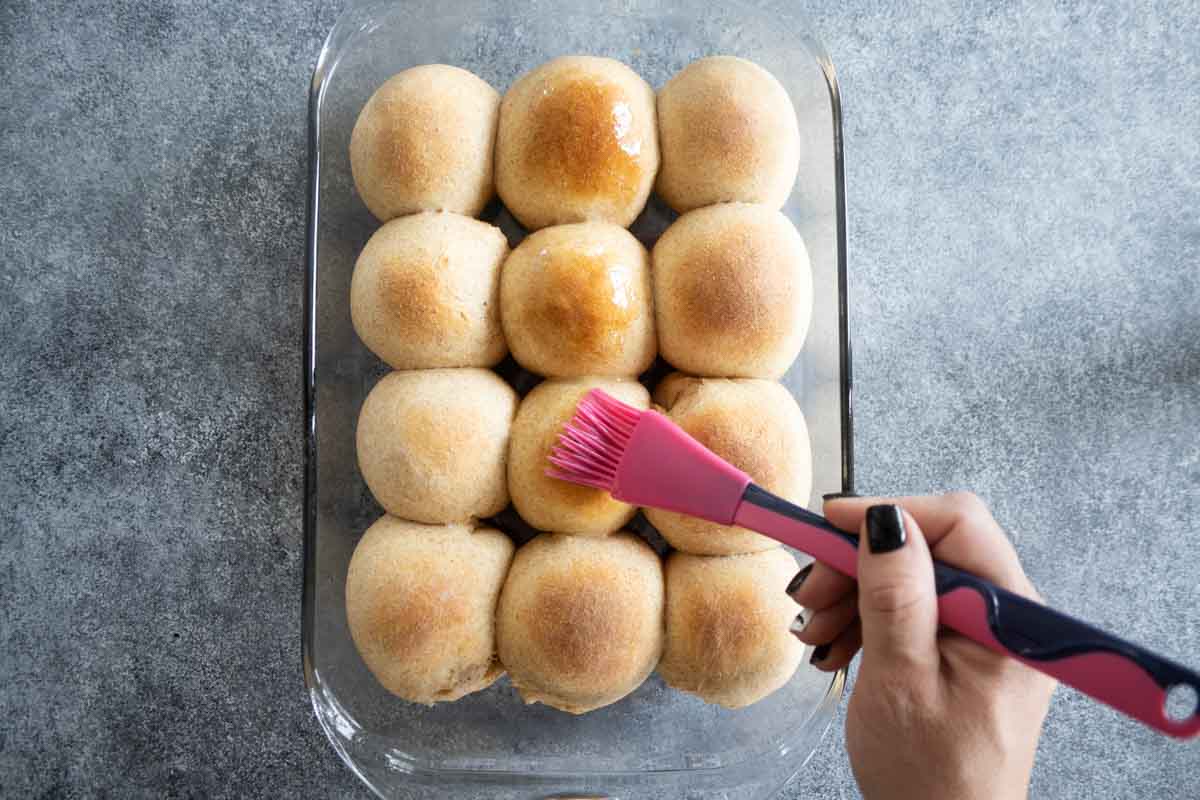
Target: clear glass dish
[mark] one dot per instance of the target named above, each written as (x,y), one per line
(657,742)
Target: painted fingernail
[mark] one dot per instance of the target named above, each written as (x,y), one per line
(798,581)
(838,496)
(885,529)
(799,623)
(819,654)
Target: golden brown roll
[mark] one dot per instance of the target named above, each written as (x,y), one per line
(732,292)
(423,142)
(728,133)
(580,620)
(554,505)
(727,626)
(432,444)
(754,425)
(421,603)
(577,141)
(577,300)
(426,292)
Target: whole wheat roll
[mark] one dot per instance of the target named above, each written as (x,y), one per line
(433,444)
(727,626)
(424,142)
(577,141)
(579,624)
(757,427)
(733,292)
(420,603)
(426,292)
(577,300)
(728,132)
(547,503)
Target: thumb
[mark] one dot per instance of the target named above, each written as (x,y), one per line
(897,602)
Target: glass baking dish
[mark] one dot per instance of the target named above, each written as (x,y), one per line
(657,742)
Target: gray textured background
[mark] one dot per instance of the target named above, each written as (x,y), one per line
(1024,195)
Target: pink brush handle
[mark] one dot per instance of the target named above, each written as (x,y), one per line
(1123,675)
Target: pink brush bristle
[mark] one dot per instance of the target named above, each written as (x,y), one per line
(590,446)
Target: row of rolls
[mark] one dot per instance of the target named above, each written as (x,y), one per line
(577,138)
(439,603)
(440,611)
(726,291)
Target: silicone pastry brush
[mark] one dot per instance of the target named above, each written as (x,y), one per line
(645,459)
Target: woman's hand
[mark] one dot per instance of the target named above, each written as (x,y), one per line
(933,715)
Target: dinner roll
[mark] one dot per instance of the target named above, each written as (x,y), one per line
(432,444)
(727,626)
(728,132)
(423,142)
(421,603)
(580,619)
(577,141)
(754,425)
(577,300)
(732,292)
(547,503)
(426,292)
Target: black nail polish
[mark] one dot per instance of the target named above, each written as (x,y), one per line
(819,654)
(798,581)
(838,496)
(885,529)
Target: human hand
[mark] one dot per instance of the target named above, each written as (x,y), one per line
(933,714)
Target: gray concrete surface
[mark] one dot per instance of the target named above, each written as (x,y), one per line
(1024,186)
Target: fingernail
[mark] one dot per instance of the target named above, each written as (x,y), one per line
(838,496)
(798,624)
(885,529)
(819,654)
(798,581)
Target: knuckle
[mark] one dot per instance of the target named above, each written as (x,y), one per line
(905,693)
(968,504)
(893,597)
